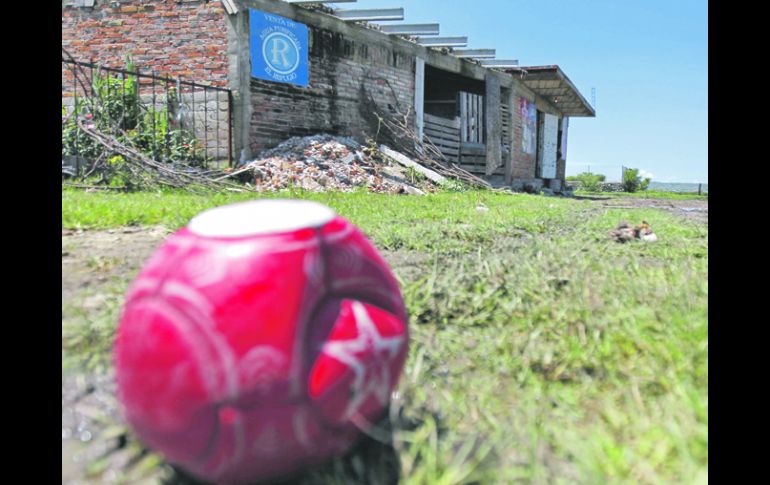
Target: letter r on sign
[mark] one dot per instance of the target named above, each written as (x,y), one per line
(280,48)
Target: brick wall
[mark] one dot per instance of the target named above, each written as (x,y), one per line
(344,76)
(524,164)
(186,39)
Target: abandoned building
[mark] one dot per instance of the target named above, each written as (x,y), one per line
(295,68)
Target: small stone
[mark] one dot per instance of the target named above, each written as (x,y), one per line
(408,189)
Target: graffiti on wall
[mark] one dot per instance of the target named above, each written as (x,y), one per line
(528,114)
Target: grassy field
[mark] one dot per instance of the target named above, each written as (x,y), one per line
(541,352)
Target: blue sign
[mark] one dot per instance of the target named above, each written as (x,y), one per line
(278,48)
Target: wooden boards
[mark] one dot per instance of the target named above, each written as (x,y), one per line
(445,134)
(407,162)
(471,118)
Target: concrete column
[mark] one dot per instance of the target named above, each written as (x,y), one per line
(239,77)
(419,95)
(492,120)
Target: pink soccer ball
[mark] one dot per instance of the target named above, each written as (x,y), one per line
(258,339)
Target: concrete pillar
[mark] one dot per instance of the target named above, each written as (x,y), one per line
(419,95)
(493,120)
(239,81)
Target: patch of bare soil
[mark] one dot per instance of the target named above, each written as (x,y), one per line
(693,210)
(90,259)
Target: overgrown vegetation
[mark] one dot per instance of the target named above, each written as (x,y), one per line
(541,352)
(633,182)
(114,107)
(588,181)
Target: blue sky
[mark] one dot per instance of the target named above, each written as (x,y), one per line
(647,60)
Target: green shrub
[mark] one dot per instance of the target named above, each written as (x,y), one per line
(633,182)
(588,181)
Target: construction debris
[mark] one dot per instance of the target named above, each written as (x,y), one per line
(403,138)
(409,163)
(324,162)
(624,232)
(141,171)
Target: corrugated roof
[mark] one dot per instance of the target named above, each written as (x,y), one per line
(551,83)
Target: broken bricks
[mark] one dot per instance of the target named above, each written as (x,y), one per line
(324,162)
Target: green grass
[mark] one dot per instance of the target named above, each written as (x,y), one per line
(541,351)
(447,220)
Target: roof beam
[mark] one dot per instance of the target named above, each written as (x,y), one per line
(500,63)
(411,29)
(371,14)
(443,42)
(230,7)
(475,53)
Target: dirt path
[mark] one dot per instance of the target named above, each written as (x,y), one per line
(693,210)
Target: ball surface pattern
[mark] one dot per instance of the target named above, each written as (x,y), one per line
(254,338)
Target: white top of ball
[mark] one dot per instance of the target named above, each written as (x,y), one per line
(268,216)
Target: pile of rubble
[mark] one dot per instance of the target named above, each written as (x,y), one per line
(324,162)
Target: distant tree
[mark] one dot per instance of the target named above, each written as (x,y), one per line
(633,182)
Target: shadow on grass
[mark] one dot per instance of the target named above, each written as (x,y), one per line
(370,462)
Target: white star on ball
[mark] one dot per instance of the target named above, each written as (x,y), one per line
(375,378)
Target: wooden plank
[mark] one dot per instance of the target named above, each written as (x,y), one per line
(454,152)
(463,116)
(473,156)
(443,138)
(440,135)
(472,119)
(474,149)
(445,148)
(444,132)
(480,119)
(474,169)
(449,123)
(448,129)
(443,143)
(451,156)
(407,162)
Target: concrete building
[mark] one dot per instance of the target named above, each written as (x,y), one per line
(508,125)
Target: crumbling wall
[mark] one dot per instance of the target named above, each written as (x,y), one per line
(174,39)
(349,80)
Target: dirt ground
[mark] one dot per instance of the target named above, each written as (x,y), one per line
(694,210)
(97,267)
